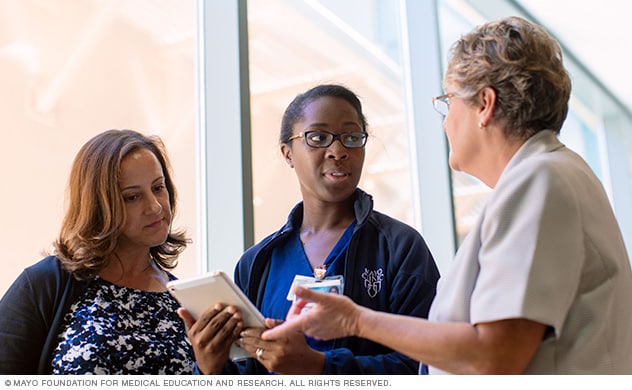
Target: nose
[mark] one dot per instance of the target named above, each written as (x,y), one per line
(153,205)
(337,150)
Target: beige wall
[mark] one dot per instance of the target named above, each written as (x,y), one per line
(69,70)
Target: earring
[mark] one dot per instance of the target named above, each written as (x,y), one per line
(481,125)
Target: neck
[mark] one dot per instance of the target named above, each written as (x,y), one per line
(134,270)
(326,219)
(501,150)
(322,226)
(138,262)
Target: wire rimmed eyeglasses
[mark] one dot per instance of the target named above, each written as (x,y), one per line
(441,103)
(323,139)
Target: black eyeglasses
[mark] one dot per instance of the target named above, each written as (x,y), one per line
(323,139)
(441,103)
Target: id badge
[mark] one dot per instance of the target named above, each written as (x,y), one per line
(331,284)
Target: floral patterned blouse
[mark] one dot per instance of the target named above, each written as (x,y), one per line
(119,330)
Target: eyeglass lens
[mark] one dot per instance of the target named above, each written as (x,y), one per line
(322,139)
(441,105)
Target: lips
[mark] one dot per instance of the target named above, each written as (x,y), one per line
(337,173)
(155,224)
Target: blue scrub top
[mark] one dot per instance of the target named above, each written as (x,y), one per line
(290,260)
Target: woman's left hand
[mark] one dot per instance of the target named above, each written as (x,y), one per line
(286,355)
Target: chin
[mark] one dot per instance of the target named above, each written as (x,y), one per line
(160,241)
(341,195)
(453,164)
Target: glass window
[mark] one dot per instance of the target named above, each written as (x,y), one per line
(597,126)
(295,45)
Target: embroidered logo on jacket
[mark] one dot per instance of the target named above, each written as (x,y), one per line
(373,281)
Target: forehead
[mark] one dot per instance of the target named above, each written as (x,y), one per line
(138,165)
(330,107)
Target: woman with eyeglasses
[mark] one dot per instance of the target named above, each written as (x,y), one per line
(542,282)
(332,235)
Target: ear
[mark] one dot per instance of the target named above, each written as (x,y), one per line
(287,154)
(487,98)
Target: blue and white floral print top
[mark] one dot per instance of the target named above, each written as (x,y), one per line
(119,330)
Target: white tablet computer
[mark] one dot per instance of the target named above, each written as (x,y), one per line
(198,293)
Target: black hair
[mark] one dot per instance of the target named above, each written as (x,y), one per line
(294,111)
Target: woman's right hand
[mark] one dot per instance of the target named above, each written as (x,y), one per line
(212,335)
(331,316)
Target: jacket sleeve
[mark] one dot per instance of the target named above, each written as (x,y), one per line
(23,328)
(342,361)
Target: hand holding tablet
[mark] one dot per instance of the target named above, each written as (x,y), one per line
(198,293)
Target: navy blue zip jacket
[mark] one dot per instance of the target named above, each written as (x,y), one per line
(388,268)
